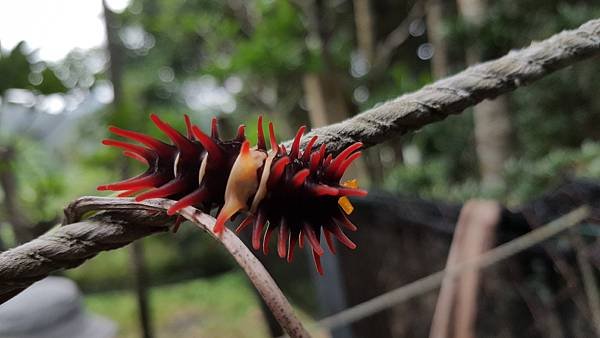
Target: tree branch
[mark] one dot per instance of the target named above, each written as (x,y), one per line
(454,94)
(121,221)
(69,246)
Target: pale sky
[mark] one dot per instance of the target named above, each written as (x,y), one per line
(54,27)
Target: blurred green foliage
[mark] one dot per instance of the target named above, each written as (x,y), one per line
(193,309)
(270,51)
(526,178)
(18,70)
(170,257)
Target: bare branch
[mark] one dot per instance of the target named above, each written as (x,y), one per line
(454,94)
(115,226)
(69,246)
(256,272)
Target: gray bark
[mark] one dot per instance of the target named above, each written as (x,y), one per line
(71,245)
(454,94)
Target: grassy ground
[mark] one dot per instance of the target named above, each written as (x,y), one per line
(223,306)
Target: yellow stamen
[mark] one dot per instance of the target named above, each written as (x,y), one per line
(353,183)
(344,202)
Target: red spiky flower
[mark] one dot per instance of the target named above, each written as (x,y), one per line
(298,193)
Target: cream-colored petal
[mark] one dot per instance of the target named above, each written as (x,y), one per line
(202,170)
(243,181)
(262,186)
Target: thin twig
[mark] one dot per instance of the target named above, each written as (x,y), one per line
(433,281)
(256,272)
(590,284)
(117,217)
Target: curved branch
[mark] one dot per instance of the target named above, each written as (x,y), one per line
(256,272)
(120,222)
(69,246)
(454,94)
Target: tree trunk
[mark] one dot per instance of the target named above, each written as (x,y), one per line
(435,35)
(140,283)
(323,91)
(139,271)
(365,36)
(492,137)
(326,105)
(115,53)
(365,40)
(492,120)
